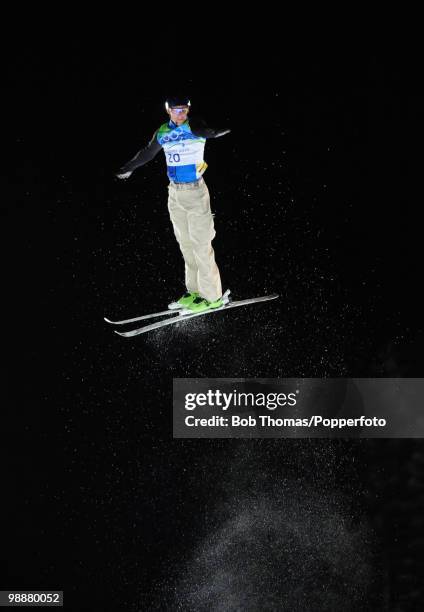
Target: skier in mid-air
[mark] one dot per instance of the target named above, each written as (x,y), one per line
(183,141)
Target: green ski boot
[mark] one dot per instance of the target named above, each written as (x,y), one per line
(199,304)
(184,301)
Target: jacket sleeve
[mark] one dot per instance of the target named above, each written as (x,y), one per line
(199,128)
(143,156)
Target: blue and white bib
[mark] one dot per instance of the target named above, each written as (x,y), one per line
(183,152)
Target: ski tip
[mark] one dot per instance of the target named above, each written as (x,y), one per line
(108,320)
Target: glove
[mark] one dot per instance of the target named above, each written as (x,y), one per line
(123,175)
(222,133)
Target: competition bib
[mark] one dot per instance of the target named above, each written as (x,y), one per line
(183,152)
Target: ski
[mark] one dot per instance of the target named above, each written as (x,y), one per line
(173,311)
(183,316)
(148,316)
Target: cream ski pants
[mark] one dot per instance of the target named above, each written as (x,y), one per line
(190,212)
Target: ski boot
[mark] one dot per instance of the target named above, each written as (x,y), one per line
(184,301)
(200,304)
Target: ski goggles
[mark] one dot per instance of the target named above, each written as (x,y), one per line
(179,110)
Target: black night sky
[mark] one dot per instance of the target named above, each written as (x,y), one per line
(316,194)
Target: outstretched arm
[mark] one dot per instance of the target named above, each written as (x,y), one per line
(141,158)
(199,128)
